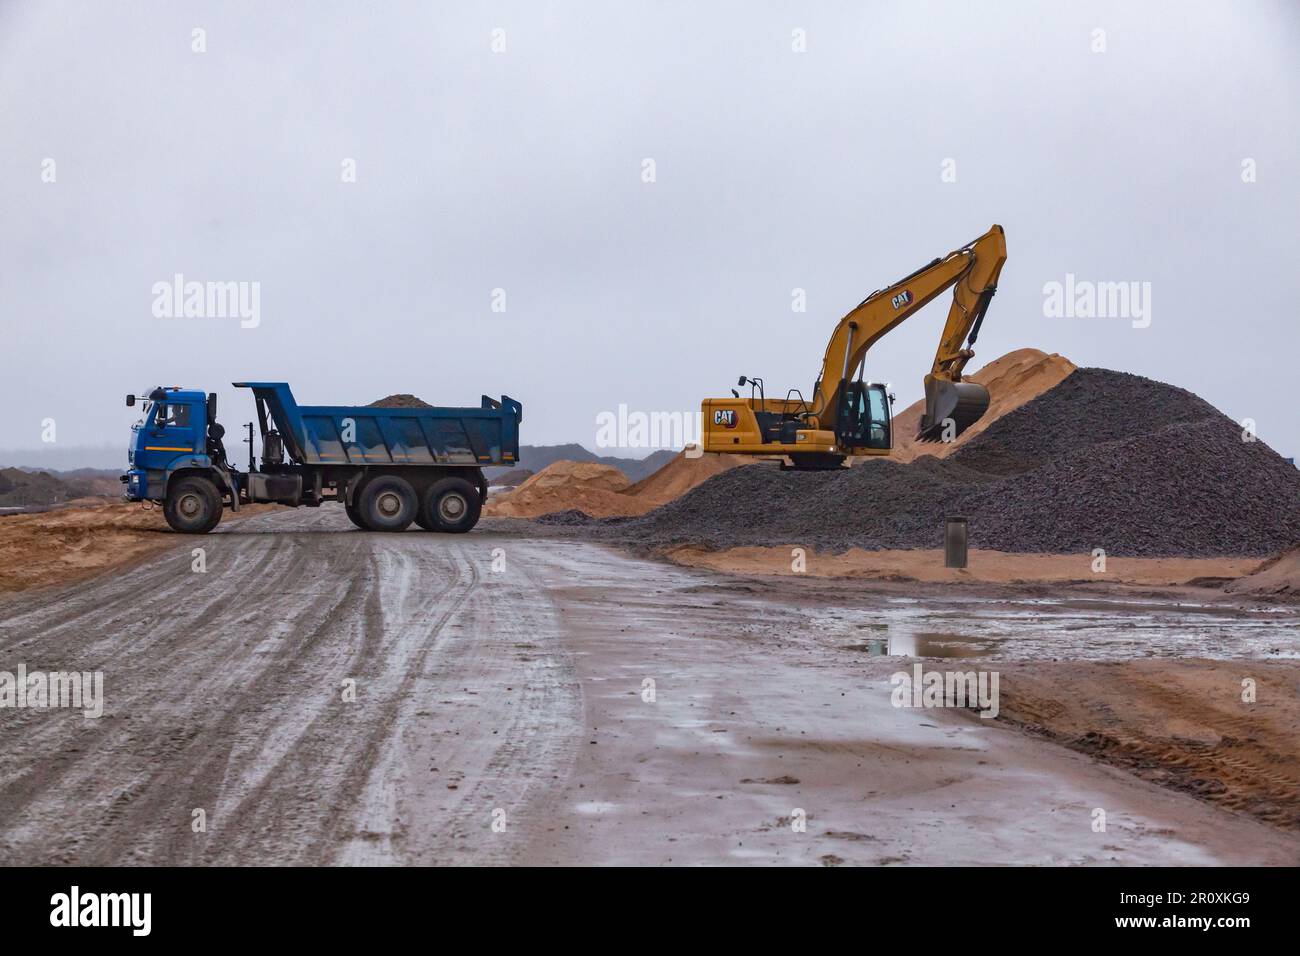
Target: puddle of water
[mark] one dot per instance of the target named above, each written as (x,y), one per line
(1047,630)
(925,645)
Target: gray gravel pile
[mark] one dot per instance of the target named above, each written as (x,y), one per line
(1112,461)
(1091,406)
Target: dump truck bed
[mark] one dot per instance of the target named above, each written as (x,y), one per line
(314,434)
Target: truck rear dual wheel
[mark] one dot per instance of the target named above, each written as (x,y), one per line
(387,503)
(452,505)
(193,506)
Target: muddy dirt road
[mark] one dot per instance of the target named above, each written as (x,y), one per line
(501,716)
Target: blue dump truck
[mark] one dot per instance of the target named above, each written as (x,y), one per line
(386,466)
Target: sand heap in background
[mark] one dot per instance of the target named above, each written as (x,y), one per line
(1277,577)
(603,491)
(587,486)
(400,400)
(1012,380)
(681,475)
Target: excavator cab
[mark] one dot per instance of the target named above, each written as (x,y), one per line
(864,417)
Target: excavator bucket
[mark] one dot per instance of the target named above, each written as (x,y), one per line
(951,408)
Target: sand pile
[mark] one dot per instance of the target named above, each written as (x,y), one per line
(587,486)
(1012,380)
(1103,460)
(681,475)
(69,544)
(400,400)
(1277,577)
(573,492)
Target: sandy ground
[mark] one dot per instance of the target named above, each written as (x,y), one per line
(502,715)
(982,566)
(1183,724)
(70,544)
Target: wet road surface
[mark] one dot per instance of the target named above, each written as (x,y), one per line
(322,695)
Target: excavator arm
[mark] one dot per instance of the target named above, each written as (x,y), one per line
(972,273)
(847,417)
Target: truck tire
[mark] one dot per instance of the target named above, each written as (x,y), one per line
(193,506)
(387,503)
(452,505)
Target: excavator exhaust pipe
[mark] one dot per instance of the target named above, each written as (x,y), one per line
(951,408)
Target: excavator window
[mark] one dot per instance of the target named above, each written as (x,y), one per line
(864,416)
(878,409)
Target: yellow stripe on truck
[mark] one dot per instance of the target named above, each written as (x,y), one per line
(164,448)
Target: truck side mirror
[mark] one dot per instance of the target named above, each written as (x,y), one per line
(212,408)
(742,381)
(130,400)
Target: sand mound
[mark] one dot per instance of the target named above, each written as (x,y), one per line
(400,400)
(1279,576)
(587,489)
(682,474)
(583,485)
(73,543)
(565,475)
(1012,380)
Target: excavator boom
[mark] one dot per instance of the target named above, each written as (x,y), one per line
(845,416)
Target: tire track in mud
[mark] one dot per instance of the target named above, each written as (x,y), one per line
(105,788)
(229,697)
(341,742)
(500,739)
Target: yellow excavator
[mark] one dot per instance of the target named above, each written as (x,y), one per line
(847,417)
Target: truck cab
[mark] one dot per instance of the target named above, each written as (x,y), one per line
(170,437)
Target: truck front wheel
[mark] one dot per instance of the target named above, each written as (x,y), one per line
(193,506)
(452,505)
(387,503)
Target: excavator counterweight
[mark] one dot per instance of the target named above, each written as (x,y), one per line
(847,417)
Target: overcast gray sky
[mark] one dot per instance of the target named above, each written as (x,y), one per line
(522,170)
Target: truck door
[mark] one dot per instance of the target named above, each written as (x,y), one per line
(173,426)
